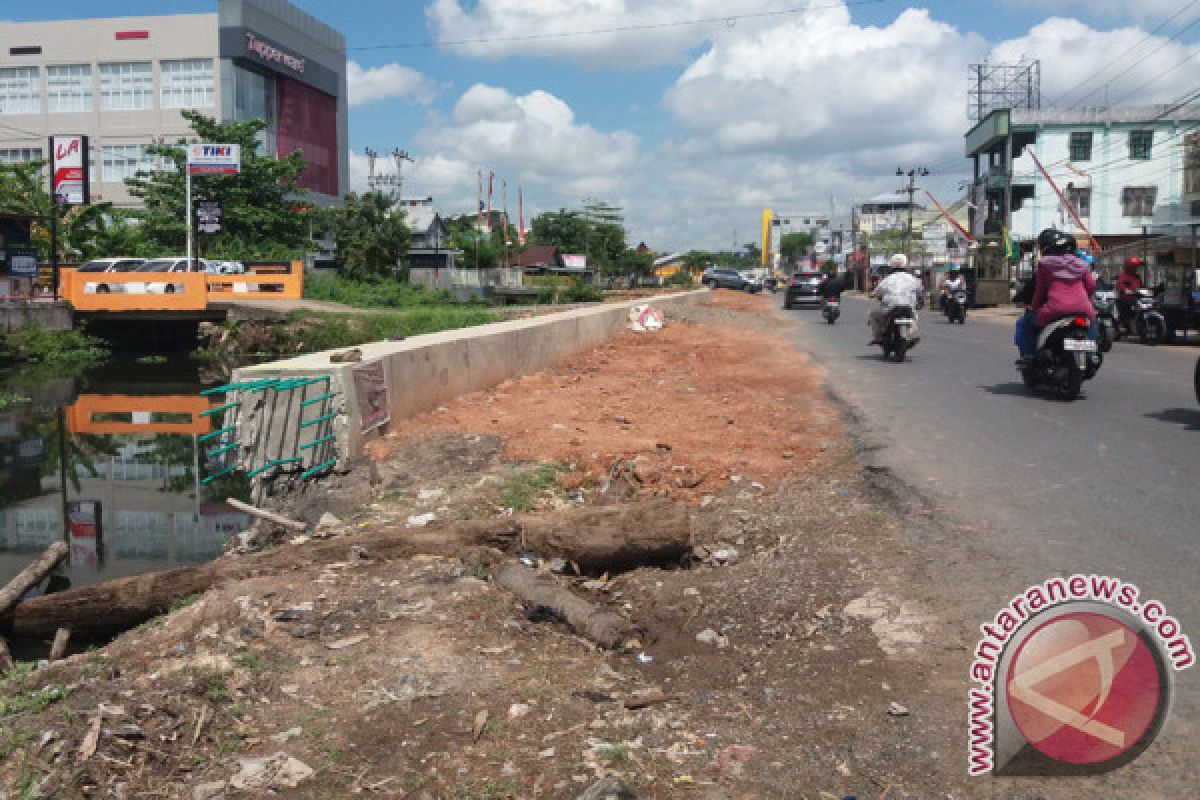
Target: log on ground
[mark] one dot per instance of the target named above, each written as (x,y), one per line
(608,537)
(27,578)
(587,619)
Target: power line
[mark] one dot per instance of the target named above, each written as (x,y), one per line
(1182,10)
(728,19)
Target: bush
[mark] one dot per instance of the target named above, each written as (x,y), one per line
(65,349)
(581,292)
(372,293)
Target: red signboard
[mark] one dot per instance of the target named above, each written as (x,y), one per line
(307,121)
(69,170)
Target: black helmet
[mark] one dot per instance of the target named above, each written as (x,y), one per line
(1056,243)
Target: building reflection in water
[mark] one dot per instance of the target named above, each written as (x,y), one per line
(116,477)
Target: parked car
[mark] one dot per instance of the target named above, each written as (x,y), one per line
(802,290)
(224,267)
(119,264)
(723,278)
(169,265)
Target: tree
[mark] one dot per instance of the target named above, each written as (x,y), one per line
(264,216)
(752,255)
(598,231)
(566,230)
(475,246)
(371,240)
(794,246)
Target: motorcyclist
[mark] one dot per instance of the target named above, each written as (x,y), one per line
(1063,286)
(899,288)
(831,286)
(1128,283)
(955,282)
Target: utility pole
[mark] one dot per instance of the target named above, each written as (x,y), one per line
(377,182)
(911,189)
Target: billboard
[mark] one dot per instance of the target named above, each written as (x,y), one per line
(306,120)
(214,159)
(69,170)
(574,262)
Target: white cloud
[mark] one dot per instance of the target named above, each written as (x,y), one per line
(822,85)
(368,84)
(1081,65)
(532,140)
(633,33)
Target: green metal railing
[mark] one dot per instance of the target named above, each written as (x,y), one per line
(275,448)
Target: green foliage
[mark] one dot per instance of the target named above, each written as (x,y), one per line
(519,491)
(794,246)
(312,331)
(66,350)
(12,399)
(372,292)
(262,220)
(637,262)
(34,700)
(892,241)
(598,231)
(99,231)
(581,292)
(371,240)
(680,278)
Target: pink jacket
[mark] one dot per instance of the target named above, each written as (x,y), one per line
(1064,288)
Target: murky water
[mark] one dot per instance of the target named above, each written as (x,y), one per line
(108,462)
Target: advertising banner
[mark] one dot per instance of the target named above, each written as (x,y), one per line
(209,216)
(574,262)
(69,170)
(214,159)
(22,262)
(370,387)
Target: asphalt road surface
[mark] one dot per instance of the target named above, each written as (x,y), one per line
(1108,484)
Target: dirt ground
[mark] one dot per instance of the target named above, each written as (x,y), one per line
(798,665)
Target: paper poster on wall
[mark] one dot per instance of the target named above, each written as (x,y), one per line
(370,387)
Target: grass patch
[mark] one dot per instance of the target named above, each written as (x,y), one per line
(378,293)
(214,687)
(309,331)
(34,700)
(184,602)
(616,755)
(519,491)
(12,399)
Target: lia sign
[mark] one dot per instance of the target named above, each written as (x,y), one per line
(214,159)
(69,170)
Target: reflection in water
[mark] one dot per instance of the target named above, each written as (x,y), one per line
(115,474)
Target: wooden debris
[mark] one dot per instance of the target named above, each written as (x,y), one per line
(29,577)
(6,659)
(59,649)
(87,747)
(480,722)
(603,627)
(649,699)
(199,724)
(270,516)
(349,641)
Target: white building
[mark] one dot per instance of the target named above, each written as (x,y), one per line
(1123,169)
(124,82)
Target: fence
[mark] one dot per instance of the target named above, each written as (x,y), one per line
(180,291)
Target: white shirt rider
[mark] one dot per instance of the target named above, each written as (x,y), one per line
(900,288)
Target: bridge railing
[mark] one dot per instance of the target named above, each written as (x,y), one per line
(135,291)
(277,280)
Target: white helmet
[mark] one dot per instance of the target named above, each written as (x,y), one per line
(898,261)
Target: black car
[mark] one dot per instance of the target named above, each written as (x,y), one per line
(725,279)
(802,290)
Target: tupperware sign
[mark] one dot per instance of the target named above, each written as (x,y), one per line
(214,159)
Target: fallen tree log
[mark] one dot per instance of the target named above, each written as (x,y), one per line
(269,516)
(601,538)
(603,627)
(27,578)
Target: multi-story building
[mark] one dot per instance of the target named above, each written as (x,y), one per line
(124,82)
(1122,169)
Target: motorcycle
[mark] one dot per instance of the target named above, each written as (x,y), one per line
(1143,319)
(1105,303)
(1066,357)
(955,307)
(900,333)
(832,310)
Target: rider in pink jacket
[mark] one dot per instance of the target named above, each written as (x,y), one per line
(1064,289)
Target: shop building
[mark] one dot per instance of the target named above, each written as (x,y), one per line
(124,82)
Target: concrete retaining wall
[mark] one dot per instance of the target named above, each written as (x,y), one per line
(426,371)
(51,316)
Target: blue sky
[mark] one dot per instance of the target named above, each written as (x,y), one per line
(692,128)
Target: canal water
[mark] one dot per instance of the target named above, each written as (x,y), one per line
(110,461)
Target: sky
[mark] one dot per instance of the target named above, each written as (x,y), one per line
(694,115)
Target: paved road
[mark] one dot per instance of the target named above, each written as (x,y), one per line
(1107,484)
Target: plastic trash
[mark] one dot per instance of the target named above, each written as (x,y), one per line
(644,317)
